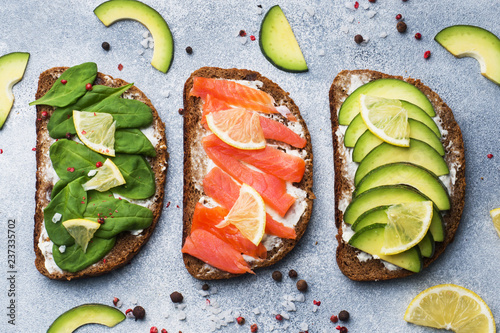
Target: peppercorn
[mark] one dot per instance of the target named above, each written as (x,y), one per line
(181,111)
(163,330)
(334,319)
(489,155)
(64,81)
(240,320)
(292,273)
(358,39)
(302,285)
(88,86)
(153,330)
(279,317)
(344,315)
(189,50)
(372,1)
(399,16)
(205,287)
(176,297)
(418,36)
(427,54)
(401,26)
(139,312)
(98,164)
(105,46)
(243,33)
(277,276)
(254,328)
(68,136)
(343,329)
(101,221)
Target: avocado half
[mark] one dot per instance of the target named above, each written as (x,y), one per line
(84,314)
(478,43)
(12,67)
(116,10)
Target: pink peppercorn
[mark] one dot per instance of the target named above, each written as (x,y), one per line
(490,155)
(279,317)
(334,319)
(64,81)
(427,54)
(98,164)
(33,149)
(1,151)
(88,86)
(120,67)
(44,114)
(418,36)
(399,16)
(254,328)
(318,303)
(153,330)
(252,37)
(356,5)
(163,330)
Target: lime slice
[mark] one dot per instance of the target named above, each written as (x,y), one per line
(386,118)
(451,307)
(407,226)
(495,216)
(96,130)
(82,231)
(107,176)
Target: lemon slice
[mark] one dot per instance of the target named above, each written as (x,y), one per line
(495,216)
(248,215)
(96,130)
(107,176)
(386,118)
(82,231)
(238,128)
(407,225)
(451,307)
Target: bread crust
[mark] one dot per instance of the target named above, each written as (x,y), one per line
(127,245)
(346,255)
(192,195)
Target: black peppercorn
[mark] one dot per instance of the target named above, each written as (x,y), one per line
(240,320)
(176,297)
(358,39)
(293,274)
(189,50)
(344,315)
(181,111)
(105,46)
(205,287)
(277,276)
(68,136)
(139,312)
(401,26)
(100,220)
(372,1)
(343,329)
(302,285)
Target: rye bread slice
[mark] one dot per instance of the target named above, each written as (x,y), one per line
(347,259)
(127,245)
(192,134)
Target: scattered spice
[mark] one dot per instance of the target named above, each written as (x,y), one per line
(1,151)
(98,164)
(181,111)
(189,50)
(115,301)
(120,67)
(88,86)
(240,320)
(44,114)
(243,33)
(399,17)
(279,317)
(64,81)
(105,261)
(344,315)
(254,328)
(139,312)
(489,155)
(418,36)
(358,39)
(69,136)
(401,27)
(128,313)
(70,169)
(153,330)
(356,5)
(168,204)
(252,37)
(164,330)
(277,276)
(292,273)
(427,54)
(101,221)
(205,287)
(334,319)
(318,303)
(176,297)
(372,1)
(33,149)
(105,46)
(302,285)
(260,6)
(343,329)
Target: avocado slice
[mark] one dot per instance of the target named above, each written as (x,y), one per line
(278,43)
(419,153)
(427,245)
(86,314)
(408,174)
(12,67)
(116,10)
(371,239)
(387,88)
(379,215)
(478,43)
(368,141)
(357,126)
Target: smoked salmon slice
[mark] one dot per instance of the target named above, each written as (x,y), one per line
(222,188)
(273,130)
(207,218)
(270,160)
(209,248)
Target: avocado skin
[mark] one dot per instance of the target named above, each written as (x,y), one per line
(12,67)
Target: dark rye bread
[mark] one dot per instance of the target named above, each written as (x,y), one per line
(347,259)
(127,245)
(192,129)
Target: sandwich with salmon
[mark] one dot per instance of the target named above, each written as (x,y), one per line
(247,173)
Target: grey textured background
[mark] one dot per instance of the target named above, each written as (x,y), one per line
(66,33)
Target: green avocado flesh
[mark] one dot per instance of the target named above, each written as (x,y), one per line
(368,141)
(418,153)
(86,314)
(427,246)
(115,10)
(357,126)
(475,42)
(12,67)
(371,239)
(278,44)
(408,174)
(387,88)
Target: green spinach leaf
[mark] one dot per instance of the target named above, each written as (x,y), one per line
(70,202)
(57,188)
(61,95)
(73,259)
(128,113)
(140,179)
(120,215)
(133,141)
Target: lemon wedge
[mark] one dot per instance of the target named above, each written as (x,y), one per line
(495,216)
(451,307)
(238,128)
(386,118)
(81,230)
(248,214)
(107,176)
(407,225)
(96,130)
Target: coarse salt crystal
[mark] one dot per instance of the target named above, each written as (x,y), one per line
(182,315)
(383,34)
(350,18)
(166,315)
(145,43)
(181,306)
(321,52)
(290,306)
(119,304)
(213,290)
(344,29)
(285,315)
(166,94)
(145,34)
(134,302)
(285,326)
(62,248)
(243,40)
(140,52)
(236,314)
(304,327)
(310,10)
(151,44)
(371,13)
(350,6)
(92,173)
(259,11)
(315,308)
(256,311)
(366,6)
(203,293)
(300,298)
(56,218)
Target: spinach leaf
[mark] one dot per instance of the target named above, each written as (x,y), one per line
(128,113)
(57,188)
(61,121)
(70,202)
(133,141)
(66,154)
(73,259)
(140,179)
(120,215)
(61,95)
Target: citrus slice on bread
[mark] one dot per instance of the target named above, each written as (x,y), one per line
(96,130)
(82,231)
(107,176)
(495,216)
(248,214)
(238,128)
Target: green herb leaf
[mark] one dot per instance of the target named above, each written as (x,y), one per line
(80,159)
(138,175)
(133,141)
(128,113)
(61,95)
